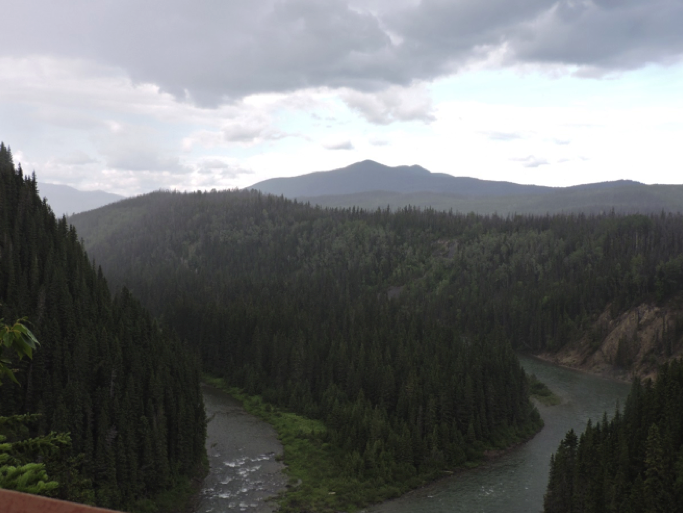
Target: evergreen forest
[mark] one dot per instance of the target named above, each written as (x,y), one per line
(396,329)
(630,464)
(122,387)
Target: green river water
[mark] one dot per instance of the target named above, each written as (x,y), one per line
(244,470)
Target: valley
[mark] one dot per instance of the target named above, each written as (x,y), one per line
(298,304)
(396,333)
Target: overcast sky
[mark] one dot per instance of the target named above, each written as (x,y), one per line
(133,96)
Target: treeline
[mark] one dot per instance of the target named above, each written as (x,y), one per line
(126,390)
(630,464)
(541,280)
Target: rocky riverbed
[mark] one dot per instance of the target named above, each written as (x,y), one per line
(243,451)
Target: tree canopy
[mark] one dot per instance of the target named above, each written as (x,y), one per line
(126,389)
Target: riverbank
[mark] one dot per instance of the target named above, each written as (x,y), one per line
(623,346)
(182,498)
(514,481)
(571,363)
(317,481)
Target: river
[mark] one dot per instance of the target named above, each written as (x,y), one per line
(516,482)
(242,451)
(244,470)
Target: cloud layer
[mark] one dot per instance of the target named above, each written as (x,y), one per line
(133,96)
(212,52)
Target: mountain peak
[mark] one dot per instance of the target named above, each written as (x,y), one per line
(368,175)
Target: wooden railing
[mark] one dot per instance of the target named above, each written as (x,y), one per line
(16,502)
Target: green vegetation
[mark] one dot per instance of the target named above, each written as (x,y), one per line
(542,393)
(632,463)
(124,388)
(16,339)
(312,463)
(18,468)
(393,329)
(289,303)
(318,479)
(539,280)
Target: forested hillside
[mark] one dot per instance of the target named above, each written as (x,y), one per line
(630,464)
(540,280)
(396,328)
(291,302)
(623,197)
(105,371)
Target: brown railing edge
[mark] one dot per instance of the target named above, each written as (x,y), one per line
(17,502)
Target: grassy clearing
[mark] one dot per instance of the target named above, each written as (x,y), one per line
(317,481)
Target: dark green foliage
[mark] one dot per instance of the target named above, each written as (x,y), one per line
(19,341)
(395,329)
(542,393)
(290,302)
(539,280)
(632,463)
(105,371)
(19,455)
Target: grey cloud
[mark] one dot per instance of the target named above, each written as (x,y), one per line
(242,133)
(135,149)
(220,167)
(604,35)
(144,160)
(77,158)
(531,161)
(341,145)
(214,52)
(392,104)
(442,35)
(376,141)
(248,134)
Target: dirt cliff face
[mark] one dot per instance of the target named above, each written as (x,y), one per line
(631,344)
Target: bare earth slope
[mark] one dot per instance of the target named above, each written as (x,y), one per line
(628,345)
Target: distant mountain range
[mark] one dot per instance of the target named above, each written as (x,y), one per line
(65,200)
(371,185)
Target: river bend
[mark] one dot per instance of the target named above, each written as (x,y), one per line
(245,472)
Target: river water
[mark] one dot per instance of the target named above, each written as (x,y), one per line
(242,450)
(516,482)
(244,471)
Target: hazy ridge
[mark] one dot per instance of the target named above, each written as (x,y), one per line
(370,185)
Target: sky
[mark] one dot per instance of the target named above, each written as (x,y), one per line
(134,96)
